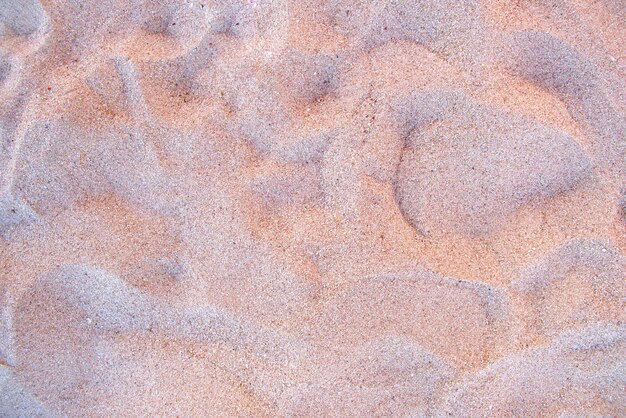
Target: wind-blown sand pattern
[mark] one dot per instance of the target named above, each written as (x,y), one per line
(310,208)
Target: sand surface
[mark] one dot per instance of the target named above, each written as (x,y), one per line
(310,208)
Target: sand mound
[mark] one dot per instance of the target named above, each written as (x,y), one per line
(381,375)
(422,305)
(575,285)
(466,166)
(580,374)
(15,400)
(23,17)
(557,67)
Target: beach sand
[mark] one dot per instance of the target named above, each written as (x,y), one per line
(309,208)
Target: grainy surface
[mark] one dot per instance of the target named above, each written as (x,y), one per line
(312,208)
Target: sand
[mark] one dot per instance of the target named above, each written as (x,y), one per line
(310,208)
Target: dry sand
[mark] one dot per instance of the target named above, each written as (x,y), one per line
(313,208)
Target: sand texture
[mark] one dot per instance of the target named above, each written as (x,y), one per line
(312,208)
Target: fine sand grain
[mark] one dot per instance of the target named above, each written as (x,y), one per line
(311,208)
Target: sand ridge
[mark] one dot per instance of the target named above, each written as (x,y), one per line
(312,208)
